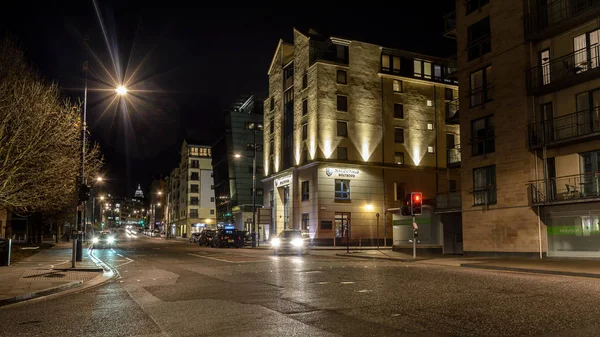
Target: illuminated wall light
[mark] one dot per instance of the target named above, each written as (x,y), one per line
(365,151)
(276,168)
(327,148)
(266,167)
(297,154)
(417,155)
(313,148)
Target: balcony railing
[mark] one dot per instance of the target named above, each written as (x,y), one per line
(558,15)
(450,25)
(564,129)
(453,158)
(452,112)
(564,71)
(485,195)
(566,189)
(451,69)
(448,201)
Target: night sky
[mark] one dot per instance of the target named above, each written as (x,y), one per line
(192,62)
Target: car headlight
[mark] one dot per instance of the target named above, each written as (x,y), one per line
(110,240)
(275,242)
(95,240)
(297,242)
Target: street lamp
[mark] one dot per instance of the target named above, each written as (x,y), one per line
(121,90)
(237,156)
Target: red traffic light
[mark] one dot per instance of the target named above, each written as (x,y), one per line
(417,197)
(416,203)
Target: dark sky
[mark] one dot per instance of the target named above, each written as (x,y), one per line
(192,62)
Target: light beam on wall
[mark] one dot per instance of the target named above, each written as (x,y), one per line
(365,151)
(327,149)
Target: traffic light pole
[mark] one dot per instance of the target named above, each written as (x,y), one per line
(414,237)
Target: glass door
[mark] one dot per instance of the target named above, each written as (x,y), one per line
(342,225)
(286,207)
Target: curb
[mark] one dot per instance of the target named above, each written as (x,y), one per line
(528,270)
(45,292)
(80,269)
(376,258)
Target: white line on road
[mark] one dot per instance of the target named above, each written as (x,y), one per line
(211,258)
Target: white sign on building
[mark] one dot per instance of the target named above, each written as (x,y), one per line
(282,181)
(341,172)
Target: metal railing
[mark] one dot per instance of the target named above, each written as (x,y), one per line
(453,156)
(450,24)
(451,109)
(563,128)
(556,71)
(570,188)
(556,13)
(448,200)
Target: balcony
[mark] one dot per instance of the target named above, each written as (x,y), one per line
(451,69)
(557,16)
(565,71)
(452,116)
(576,127)
(565,190)
(450,25)
(448,202)
(453,157)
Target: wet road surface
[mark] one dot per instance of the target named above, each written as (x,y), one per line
(174,288)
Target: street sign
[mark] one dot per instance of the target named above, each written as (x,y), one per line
(264,216)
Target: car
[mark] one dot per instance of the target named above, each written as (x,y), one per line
(228,238)
(206,237)
(194,237)
(104,240)
(289,240)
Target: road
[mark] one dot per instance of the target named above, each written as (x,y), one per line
(174,288)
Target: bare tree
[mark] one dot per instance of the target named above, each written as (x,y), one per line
(40,139)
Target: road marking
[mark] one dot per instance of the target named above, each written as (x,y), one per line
(124,263)
(347,282)
(210,258)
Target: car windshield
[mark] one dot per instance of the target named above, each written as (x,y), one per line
(291,234)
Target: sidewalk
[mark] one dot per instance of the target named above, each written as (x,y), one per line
(550,266)
(48,272)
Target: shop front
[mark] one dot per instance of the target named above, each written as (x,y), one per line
(573,230)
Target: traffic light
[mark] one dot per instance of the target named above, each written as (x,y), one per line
(84,193)
(405,210)
(416,201)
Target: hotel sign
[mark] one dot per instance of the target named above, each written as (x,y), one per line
(341,172)
(282,181)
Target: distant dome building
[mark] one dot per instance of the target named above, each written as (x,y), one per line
(139,193)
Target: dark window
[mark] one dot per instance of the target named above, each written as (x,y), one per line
(342,77)
(342,103)
(304,131)
(304,158)
(399,135)
(305,194)
(479,42)
(272,104)
(304,107)
(342,189)
(194,201)
(452,185)
(473,5)
(212,211)
(399,158)
(194,188)
(195,164)
(326,224)
(481,86)
(212,187)
(342,153)
(400,191)
(304,81)
(448,94)
(194,176)
(484,185)
(271,147)
(304,222)
(397,84)
(193,213)
(482,135)
(212,199)
(398,111)
(272,126)
(342,129)
(288,72)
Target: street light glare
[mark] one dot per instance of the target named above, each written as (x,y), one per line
(121,90)
(99,179)
(237,155)
(369,207)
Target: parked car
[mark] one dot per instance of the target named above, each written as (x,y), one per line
(194,237)
(228,238)
(289,240)
(206,237)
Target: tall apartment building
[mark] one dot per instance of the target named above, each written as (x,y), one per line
(531,72)
(191,197)
(350,128)
(243,136)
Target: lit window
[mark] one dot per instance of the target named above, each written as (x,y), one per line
(397,86)
(429,102)
(429,126)
(418,68)
(399,158)
(342,189)
(430,149)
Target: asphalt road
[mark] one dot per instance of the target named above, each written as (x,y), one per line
(174,288)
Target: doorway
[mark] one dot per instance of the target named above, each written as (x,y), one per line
(342,225)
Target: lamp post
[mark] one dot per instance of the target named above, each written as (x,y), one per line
(237,155)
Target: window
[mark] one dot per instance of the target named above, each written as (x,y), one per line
(304,131)
(194,201)
(399,158)
(422,69)
(398,111)
(482,135)
(259,192)
(194,176)
(193,151)
(397,84)
(481,86)
(545,63)
(400,191)
(342,103)
(204,152)
(272,126)
(342,129)
(479,42)
(304,222)
(271,147)
(304,157)
(212,199)
(342,77)
(390,63)
(342,153)
(585,47)
(327,224)
(305,81)
(385,63)
(342,189)
(272,103)
(429,103)
(399,135)
(448,94)
(194,213)
(451,185)
(484,185)
(212,211)
(194,188)
(473,5)
(429,126)
(304,107)
(430,149)
(437,72)
(250,147)
(305,190)
(212,187)
(195,164)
